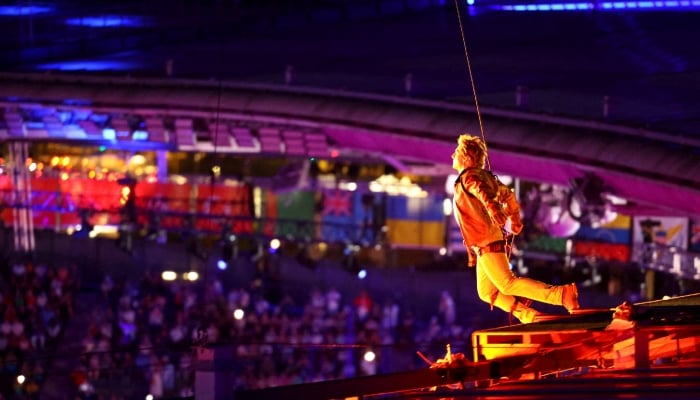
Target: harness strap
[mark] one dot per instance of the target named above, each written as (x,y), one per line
(499,246)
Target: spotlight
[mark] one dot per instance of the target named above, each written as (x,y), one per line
(362,274)
(168,276)
(191,276)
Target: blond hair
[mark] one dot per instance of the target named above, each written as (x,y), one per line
(472,148)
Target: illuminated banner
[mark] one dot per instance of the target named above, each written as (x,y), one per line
(616,231)
(605,251)
(340,219)
(98,197)
(220,204)
(290,213)
(6,199)
(46,200)
(58,204)
(416,222)
(668,231)
(170,200)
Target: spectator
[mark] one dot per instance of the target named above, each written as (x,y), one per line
(446,308)
(363,305)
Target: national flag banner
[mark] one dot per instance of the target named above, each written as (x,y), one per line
(42,217)
(667,231)
(546,244)
(268,213)
(94,194)
(600,250)
(416,222)
(339,221)
(168,199)
(219,204)
(46,199)
(99,198)
(619,230)
(291,213)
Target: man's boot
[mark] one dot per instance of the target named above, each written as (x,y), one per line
(569,297)
(525,314)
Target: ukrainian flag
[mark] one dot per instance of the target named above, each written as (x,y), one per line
(415,222)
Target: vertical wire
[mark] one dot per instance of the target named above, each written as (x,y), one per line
(471,80)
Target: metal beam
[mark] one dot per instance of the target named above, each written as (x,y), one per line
(376,384)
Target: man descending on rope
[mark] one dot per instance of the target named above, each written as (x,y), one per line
(486,210)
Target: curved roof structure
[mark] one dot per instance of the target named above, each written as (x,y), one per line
(563,94)
(652,170)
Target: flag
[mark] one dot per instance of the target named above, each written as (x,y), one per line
(100,197)
(605,251)
(617,231)
(416,222)
(171,200)
(668,231)
(221,204)
(337,203)
(340,219)
(294,213)
(46,201)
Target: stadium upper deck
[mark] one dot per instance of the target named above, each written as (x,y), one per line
(633,69)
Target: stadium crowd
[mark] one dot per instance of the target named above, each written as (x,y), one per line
(145,331)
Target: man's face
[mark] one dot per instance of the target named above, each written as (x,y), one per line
(455,161)
(459,162)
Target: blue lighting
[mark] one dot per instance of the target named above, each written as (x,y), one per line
(140,135)
(362,274)
(222,265)
(107,21)
(77,102)
(73,131)
(24,10)
(607,5)
(88,66)
(109,134)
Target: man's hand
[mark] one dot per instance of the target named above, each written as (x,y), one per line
(516,226)
(497,214)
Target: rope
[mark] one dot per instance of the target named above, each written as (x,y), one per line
(215,155)
(471,80)
(509,238)
(215,169)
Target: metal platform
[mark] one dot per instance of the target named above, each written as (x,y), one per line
(641,335)
(645,350)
